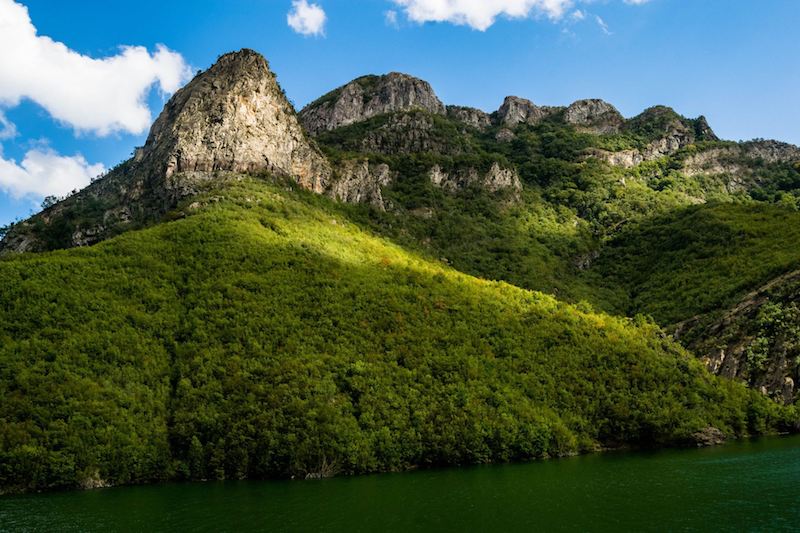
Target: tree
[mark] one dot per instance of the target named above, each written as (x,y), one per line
(49,201)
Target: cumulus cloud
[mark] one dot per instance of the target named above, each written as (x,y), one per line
(43,172)
(306,19)
(481,14)
(99,95)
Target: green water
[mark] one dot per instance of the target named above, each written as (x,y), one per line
(752,485)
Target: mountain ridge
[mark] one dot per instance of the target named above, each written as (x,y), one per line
(481,291)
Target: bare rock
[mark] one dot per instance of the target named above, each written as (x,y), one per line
(369,96)
(516,110)
(505,135)
(357,181)
(496,179)
(233,117)
(595,116)
(709,436)
(470,116)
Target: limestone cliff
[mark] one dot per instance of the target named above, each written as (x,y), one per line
(231,118)
(495,179)
(470,116)
(358,181)
(595,116)
(369,96)
(516,110)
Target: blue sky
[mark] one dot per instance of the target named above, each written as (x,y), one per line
(735,61)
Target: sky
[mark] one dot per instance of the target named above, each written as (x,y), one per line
(81,81)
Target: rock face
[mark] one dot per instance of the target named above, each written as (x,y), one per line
(595,116)
(755,341)
(369,96)
(232,118)
(709,436)
(358,181)
(496,179)
(732,159)
(407,133)
(669,132)
(703,131)
(515,110)
(470,116)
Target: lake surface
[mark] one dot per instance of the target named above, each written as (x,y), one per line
(749,485)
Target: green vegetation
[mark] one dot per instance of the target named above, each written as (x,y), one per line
(572,209)
(267,335)
(700,259)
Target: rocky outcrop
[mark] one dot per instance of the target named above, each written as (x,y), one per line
(737,159)
(516,110)
(367,97)
(709,436)
(703,131)
(755,341)
(358,181)
(495,179)
(673,140)
(409,132)
(771,151)
(667,132)
(594,116)
(232,118)
(470,116)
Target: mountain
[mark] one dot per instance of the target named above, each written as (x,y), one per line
(232,118)
(258,301)
(369,96)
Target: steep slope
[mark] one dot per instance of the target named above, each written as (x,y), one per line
(262,334)
(233,117)
(723,279)
(756,341)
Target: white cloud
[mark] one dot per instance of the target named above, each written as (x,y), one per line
(100,95)
(306,19)
(391,18)
(7,128)
(603,25)
(43,172)
(481,14)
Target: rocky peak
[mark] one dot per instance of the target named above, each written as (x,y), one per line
(470,116)
(703,131)
(661,122)
(233,117)
(516,110)
(596,116)
(369,96)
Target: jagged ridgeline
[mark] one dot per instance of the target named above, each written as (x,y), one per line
(229,321)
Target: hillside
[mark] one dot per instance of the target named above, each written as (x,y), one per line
(383,281)
(261,334)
